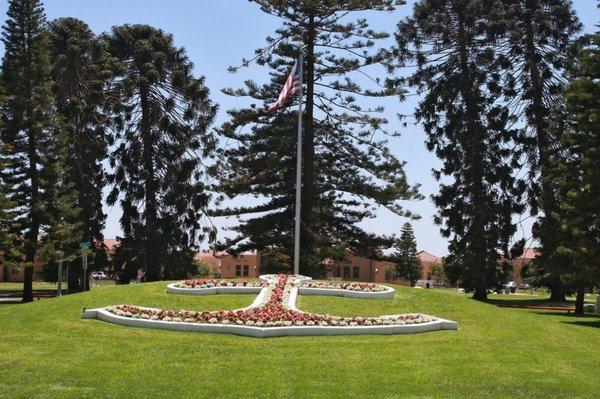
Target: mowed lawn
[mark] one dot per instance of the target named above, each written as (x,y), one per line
(48,351)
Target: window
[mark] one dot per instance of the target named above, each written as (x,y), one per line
(337,271)
(238,270)
(356,272)
(246,270)
(346,272)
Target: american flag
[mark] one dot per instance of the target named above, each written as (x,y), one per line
(291,87)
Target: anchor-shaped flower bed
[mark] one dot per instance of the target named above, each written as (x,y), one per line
(273,313)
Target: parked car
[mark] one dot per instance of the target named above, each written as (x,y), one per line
(511,287)
(524,286)
(99,276)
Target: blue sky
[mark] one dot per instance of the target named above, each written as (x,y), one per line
(218,33)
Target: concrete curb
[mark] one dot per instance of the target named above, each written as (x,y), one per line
(264,332)
(172,289)
(387,294)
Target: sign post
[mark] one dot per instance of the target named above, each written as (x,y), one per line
(85,247)
(59,283)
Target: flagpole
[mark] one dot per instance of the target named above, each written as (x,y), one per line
(298,173)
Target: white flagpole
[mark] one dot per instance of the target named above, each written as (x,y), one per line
(298,174)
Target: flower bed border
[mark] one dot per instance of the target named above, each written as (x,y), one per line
(388,293)
(172,289)
(262,332)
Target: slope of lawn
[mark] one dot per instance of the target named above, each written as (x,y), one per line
(47,351)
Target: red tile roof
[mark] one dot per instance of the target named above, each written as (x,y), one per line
(529,253)
(427,257)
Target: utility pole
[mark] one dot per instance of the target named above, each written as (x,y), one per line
(298,174)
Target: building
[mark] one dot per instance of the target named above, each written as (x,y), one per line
(358,268)
(528,256)
(353,268)
(247,264)
(16,276)
(427,261)
(225,265)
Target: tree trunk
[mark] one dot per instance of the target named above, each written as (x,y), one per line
(308,144)
(151,242)
(32,235)
(473,139)
(579,300)
(75,283)
(557,292)
(75,275)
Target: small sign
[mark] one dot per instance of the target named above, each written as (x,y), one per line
(85,245)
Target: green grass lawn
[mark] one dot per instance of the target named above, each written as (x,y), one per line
(37,285)
(47,351)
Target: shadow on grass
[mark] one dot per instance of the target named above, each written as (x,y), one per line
(9,303)
(590,320)
(524,303)
(593,322)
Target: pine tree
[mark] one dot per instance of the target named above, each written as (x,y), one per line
(28,121)
(452,43)
(161,119)
(81,70)
(577,174)
(10,254)
(346,171)
(535,47)
(63,232)
(408,265)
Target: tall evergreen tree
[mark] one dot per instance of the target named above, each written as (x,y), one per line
(161,119)
(452,43)
(408,265)
(10,254)
(81,70)
(28,121)
(577,175)
(63,229)
(538,34)
(346,170)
